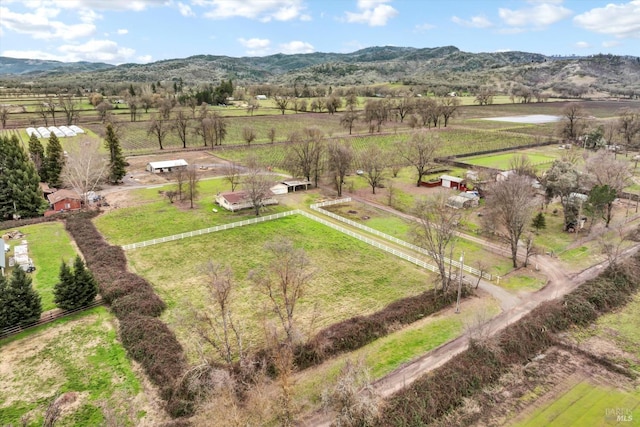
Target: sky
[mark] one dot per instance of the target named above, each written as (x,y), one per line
(141,31)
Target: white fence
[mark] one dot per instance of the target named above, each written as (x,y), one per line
(209,230)
(318,208)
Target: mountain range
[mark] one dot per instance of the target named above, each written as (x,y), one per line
(445,65)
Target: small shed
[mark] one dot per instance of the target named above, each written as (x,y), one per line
(463,200)
(167,166)
(296,185)
(449,181)
(261,97)
(64,200)
(279,189)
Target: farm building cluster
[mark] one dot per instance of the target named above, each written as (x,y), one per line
(237,200)
(59,131)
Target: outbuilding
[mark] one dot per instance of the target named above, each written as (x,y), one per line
(237,200)
(279,189)
(449,181)
(167,166)
(64,200)
(296,185)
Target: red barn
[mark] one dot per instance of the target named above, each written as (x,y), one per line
(65,200)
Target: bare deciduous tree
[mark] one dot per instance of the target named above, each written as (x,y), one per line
(340,158)
(420,151)
(510,205)
(103,108)
(305,154)
(256,184)
(180,175)
(284,281)
(435,231)
(573,122)
(374,164)
(248,134)
(159,128)
(84,166)
(448,107)
(215,324)
(282,101)
(181,125)
(193,179)
(348,119)
(4,114)
(70,108)
(607,170)
(353,398)
(232,174)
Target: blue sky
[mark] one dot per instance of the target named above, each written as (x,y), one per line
(119,31)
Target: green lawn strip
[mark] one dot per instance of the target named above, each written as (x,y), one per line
(83,356)
(352,278)
(503,161)
(160,218)
(522,282)
(49,244)
(585,404)
(390,352)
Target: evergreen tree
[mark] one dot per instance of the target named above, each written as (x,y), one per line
(54,162)
(36,152)
(116,159)
(64,291)
(539,221)
(20,302)
(85,284)
(19,182)
(3,306)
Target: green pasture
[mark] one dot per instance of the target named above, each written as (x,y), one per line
(79,355)
(588,404)
(156,217)
(392,351)
(351,278)
(49,245)
(503,161)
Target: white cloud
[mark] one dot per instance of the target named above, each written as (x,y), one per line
(263,10)
(185,9)
(475,22)
(144,58)
(93,50)
(97,50)
(374,13)
(611,43)
(502,50)
(40,24)
(620,20)
(255,46)
(123,31)
(117,5)
(539,16)
(424,27)
(296,46)
(583,45)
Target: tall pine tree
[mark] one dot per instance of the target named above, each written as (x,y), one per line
(3,306)
(64,291)
(20,192)
(75,289)
(54,162)
(116,159)
(19,303)
(36,152)
(86,285)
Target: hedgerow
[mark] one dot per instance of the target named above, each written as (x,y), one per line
(442,390)
(146,338)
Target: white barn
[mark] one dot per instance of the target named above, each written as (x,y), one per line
(166,166)
(449,181)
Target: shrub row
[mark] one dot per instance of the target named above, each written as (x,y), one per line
(359,331)
(437,393)
(147,339)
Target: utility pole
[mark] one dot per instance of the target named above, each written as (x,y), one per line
(460,284)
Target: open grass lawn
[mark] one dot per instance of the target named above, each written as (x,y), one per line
(159,218)
(80,356)
(400,228)
(49,245)
(351,277)
(588,404)
(390,352)
(503,161)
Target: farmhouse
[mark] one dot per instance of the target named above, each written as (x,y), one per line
(64,200)
(167,166)
(237,200)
